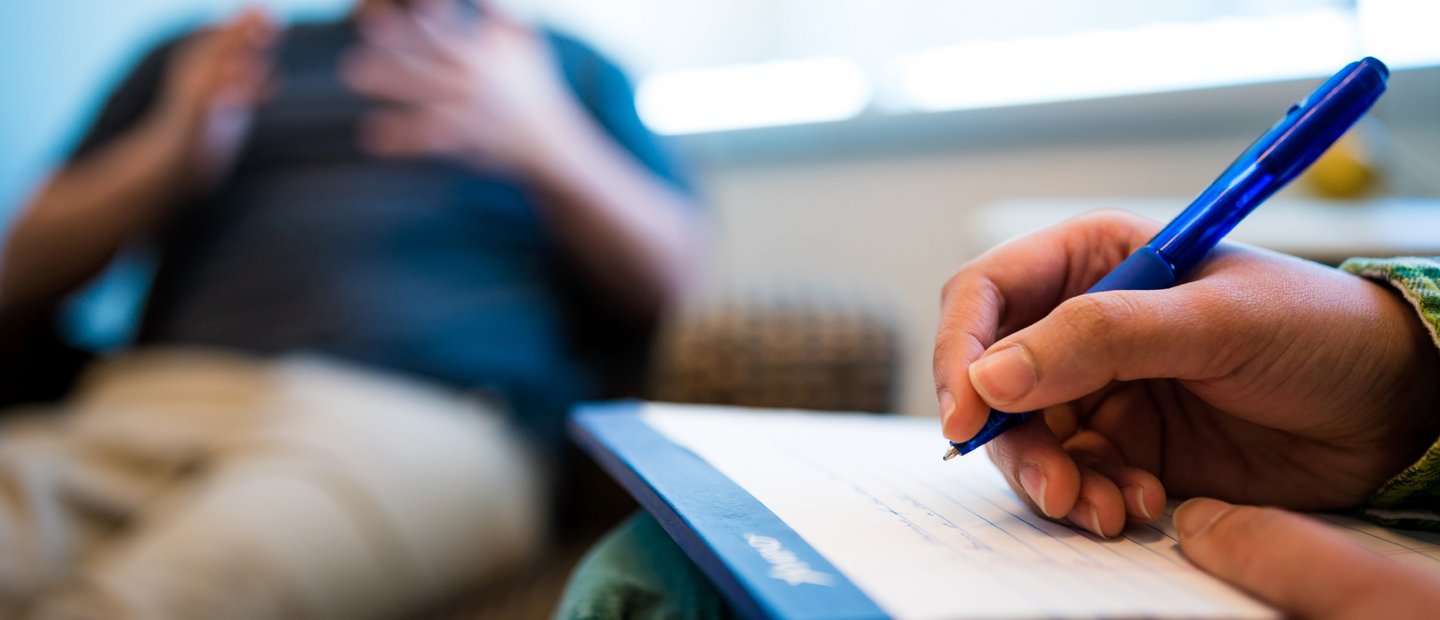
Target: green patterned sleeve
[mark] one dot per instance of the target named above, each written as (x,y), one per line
(1412,498)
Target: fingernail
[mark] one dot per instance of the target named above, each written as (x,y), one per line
(947,404)
(1137,494)
(1034,482)
(1195,516)
(1003,376)
(1087,516)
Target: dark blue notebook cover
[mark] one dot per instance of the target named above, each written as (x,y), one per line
(763,566)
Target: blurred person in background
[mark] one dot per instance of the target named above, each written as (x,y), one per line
(392,249)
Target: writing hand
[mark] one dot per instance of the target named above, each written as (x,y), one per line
(1262,379)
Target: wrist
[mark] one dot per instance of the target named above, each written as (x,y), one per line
(164,139)
(1409,289)
(1419,392)
(184,154)
(1424,405)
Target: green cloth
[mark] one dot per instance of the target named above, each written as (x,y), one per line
(1412,498)
(637,572)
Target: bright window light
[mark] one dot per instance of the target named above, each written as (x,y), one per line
(1401,32)
(758,95)
(1150,58)
(715,65)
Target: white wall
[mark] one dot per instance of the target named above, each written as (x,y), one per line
(900,222)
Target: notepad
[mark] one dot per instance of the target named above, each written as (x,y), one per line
(922,538)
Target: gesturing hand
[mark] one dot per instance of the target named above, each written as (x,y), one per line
(1262,379)
(213,83)
(484,90)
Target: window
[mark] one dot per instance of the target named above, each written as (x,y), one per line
(708,65)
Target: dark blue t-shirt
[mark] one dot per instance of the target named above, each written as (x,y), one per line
(422,267)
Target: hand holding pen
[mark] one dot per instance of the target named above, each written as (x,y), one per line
(1306,131)
(1259,378)
(1263,379)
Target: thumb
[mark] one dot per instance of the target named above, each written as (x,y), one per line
(1300,565)
(1091,340)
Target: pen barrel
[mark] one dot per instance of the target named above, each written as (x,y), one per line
(1277,157)
(997,423)
(1144,270)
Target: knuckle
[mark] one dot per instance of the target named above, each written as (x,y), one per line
(1096,318)
(955,281)
(940,374)
(1002,454)
(1107,217)
(1245,522)
(956,338)
(1107,226)
(1239,534)
(950,345)
(1109,221)
(973,277)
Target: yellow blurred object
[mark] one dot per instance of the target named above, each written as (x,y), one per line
(1346,171)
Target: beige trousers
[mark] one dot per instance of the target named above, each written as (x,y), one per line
(187,484)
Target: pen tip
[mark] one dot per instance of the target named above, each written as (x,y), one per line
(952,453)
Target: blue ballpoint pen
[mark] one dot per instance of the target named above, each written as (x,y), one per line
(1282,153)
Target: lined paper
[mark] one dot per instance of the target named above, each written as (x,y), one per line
(931,539)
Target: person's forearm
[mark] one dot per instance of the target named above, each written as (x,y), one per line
(83,214)
(638,238)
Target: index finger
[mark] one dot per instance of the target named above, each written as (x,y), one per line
(1013,286)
